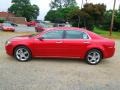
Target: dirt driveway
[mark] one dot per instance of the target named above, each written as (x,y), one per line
(57,74)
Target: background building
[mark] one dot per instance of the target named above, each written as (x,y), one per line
(11,17)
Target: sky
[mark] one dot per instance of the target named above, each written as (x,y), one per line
(44,5)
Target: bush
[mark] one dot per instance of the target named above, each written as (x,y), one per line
(2,20)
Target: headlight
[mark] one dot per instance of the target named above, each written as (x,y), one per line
(7,43)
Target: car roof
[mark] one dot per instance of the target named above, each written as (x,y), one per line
(67,28)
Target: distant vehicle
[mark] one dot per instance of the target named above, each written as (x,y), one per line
(61,42)
(39,27)
(62,25)
(31,23)
(42,25)
(12,23)
(7,27)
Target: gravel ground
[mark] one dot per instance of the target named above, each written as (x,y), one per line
(57,74)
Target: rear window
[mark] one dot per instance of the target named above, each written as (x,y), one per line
(74,34)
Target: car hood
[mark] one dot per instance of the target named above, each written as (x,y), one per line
(20,38)
(8,27)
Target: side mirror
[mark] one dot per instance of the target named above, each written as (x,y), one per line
(41,38)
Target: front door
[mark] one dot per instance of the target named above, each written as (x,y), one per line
(51,45)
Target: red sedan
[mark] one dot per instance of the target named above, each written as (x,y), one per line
(39,27)
(61,42)
(31,23)
(7,27)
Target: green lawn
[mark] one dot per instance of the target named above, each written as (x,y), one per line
(105,33)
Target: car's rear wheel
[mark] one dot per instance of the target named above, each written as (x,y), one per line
(22,54)
(93,57)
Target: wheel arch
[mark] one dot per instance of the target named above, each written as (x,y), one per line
(21,45)
(99,49)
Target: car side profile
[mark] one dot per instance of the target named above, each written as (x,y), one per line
(61,42)
(7,27)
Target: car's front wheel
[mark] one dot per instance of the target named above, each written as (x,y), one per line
(93,57)
(22,54)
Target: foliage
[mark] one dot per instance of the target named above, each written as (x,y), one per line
(2,20)
(107,20)
(60,15)
(23,8)
(56,4)
(117,21)
(88,16)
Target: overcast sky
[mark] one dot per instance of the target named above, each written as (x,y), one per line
(44,5)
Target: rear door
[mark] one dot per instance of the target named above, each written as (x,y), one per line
(75,43)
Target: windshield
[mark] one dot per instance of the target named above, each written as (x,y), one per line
(6,24)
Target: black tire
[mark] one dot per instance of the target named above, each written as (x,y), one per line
(23,56)
(95,59)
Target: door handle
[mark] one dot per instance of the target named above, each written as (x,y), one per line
(86,42)
(59,42)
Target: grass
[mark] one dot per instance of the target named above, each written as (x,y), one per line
(105,33)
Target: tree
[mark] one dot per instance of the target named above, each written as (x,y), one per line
(23,8)
(74,17)
(89,15)
(56,4)
(2,20)
(107,20)
(60,15)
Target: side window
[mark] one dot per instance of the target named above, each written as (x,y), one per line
(85,36)
(55,34)
(73,34)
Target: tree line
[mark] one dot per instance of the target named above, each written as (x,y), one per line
(88,16)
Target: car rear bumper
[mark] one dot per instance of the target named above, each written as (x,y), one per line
(110,51)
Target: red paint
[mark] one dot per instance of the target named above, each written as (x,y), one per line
(31,23)
(39,27)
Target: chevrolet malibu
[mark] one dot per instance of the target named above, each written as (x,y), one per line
(61,42)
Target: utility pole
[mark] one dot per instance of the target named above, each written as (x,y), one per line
(112,20)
